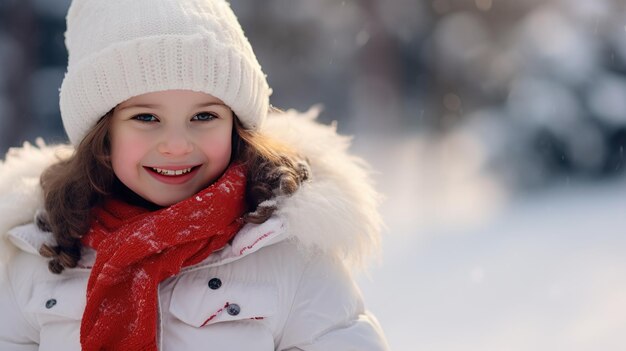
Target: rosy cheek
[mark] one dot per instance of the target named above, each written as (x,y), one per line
(218,150)
(129,141)
(221,152)
(121,163)
(126,154)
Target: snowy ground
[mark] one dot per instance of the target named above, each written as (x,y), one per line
(466,267)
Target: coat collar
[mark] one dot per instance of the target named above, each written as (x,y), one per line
(251,238)
(335,212)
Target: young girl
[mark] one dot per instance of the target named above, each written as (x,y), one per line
(187,215)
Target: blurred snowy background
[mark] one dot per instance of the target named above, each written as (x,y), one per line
(498,129)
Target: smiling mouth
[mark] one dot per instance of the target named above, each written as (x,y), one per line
(172,172)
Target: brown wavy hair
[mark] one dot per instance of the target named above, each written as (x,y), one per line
(73,186)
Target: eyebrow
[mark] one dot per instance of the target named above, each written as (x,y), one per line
(154,106)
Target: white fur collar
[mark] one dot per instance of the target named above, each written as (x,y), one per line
(335,212)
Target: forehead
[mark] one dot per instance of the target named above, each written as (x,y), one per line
(171,98)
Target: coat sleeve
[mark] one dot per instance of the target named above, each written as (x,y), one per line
(328,313)
(16,333)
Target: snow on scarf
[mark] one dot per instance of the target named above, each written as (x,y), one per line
(137,249)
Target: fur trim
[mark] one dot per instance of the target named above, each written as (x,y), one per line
(20,193)
(336,211)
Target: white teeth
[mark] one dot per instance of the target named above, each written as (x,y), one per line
(171,172)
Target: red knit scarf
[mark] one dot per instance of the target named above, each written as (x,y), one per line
(137,249)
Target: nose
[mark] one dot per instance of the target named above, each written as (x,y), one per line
(175,143)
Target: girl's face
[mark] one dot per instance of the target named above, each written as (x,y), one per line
(168,145)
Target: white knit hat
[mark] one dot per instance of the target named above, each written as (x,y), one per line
(123,48)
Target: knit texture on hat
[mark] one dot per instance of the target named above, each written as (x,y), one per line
(123,48)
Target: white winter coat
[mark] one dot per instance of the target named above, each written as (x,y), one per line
(285,284)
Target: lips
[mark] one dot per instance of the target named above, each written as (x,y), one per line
(173,174)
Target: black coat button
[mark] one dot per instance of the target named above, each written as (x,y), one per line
(215,283)
(233,309)
(51,303)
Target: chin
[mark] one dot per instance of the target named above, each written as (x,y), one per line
(169,202)
(166,202)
